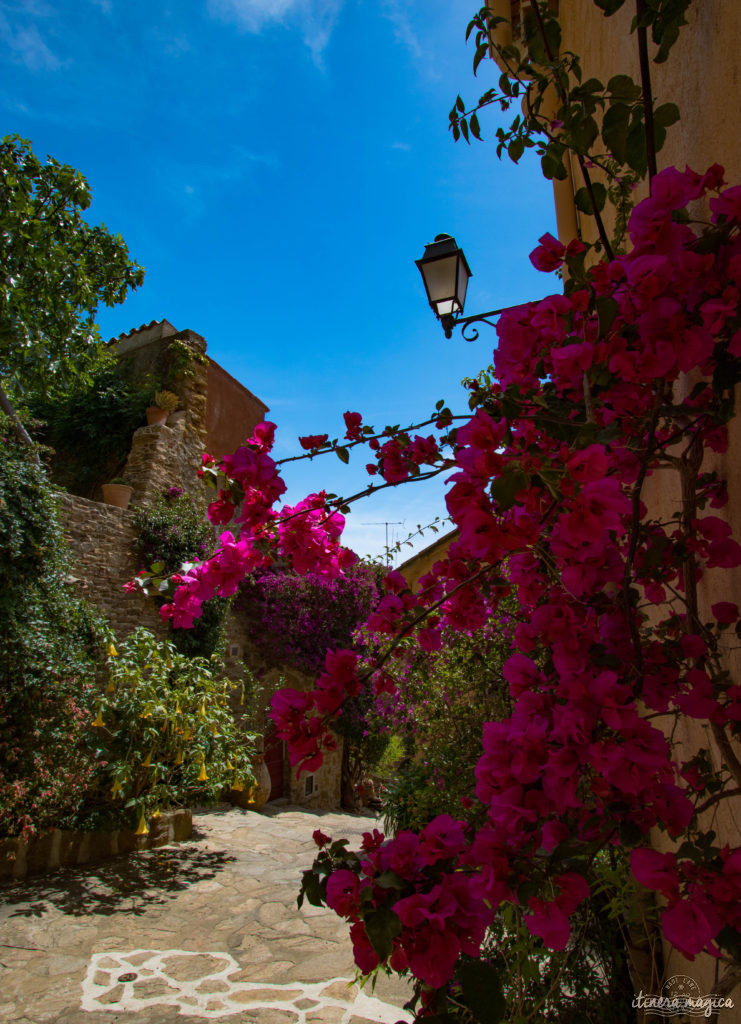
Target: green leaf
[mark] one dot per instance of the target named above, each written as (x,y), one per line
(157,567)
(516,149)
(342,454)
(482,990)
(622,87)
(584,131)
(505,487)
(552,166)
(607,310)
(474,125)
(382,926)
(583,200)
(481,52)
(666,115)
(609,6)
(590,87)
(635,147)
(311,886)
(615,125)
(390,880)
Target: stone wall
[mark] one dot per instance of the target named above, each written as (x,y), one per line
(101,537)
(101,541)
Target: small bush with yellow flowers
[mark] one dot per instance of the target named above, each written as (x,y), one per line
(163,732)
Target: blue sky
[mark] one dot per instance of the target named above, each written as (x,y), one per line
(277,166)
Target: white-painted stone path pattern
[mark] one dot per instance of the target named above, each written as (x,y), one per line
(203,930)
(199,985)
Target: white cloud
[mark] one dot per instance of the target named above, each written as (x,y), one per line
(22,37)
(314,18)
(396,12)
(31,49)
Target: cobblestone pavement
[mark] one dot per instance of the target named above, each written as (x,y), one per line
(205,930)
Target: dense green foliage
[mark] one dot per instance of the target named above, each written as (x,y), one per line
(164,733)
(171,534)
(89,424)
(55,269)
(47,656)
(173,531)
(447,696)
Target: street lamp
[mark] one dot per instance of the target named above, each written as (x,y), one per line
(446,274)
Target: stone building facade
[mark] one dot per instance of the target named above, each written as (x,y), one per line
(216,415)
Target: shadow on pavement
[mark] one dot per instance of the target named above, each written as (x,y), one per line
(126,885)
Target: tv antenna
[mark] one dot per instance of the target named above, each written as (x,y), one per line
(386,523)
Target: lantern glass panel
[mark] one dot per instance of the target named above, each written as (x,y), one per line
(440,278)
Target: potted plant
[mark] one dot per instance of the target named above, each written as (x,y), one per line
(165,402)
(118,492)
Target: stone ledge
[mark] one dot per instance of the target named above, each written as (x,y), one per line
(20,858)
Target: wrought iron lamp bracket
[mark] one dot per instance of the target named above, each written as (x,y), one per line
(449,323)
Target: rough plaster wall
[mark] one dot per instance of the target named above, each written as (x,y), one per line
(702,76)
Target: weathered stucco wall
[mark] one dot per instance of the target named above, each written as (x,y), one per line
(233,411)
(418,565)
(702,77)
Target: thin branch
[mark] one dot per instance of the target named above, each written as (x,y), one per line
(648,103)
(18,428)
(711,801)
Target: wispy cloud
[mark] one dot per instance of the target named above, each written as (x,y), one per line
(106,6)
(314,18)
(396,12)
(24,40)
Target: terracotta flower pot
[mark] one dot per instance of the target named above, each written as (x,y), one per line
(117,494)
(156,415)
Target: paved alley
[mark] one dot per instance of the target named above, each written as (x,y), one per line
(203,930)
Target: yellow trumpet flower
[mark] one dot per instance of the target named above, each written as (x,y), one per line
(115,789)
(147,762)
(98,723)
(111,651)
(142,829)
(179,758)
(110,688)
(202,710)
(237,785)
(202,776)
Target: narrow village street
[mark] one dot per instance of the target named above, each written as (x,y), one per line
(203,930)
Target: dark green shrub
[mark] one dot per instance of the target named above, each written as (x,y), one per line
(89,425)
(48,639)
(164,733)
